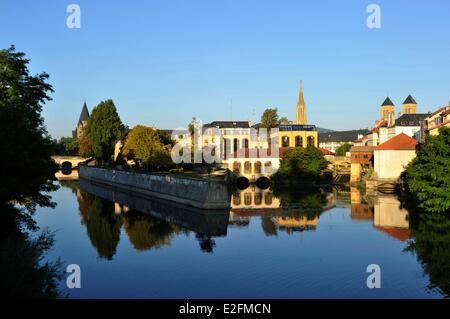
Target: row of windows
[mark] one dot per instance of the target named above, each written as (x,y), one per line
(248,167)
(257,199)
(285,141)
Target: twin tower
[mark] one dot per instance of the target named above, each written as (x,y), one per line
(388,109)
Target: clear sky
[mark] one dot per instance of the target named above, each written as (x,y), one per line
(163,62)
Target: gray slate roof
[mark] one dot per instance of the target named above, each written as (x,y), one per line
(410,119)
(342,136)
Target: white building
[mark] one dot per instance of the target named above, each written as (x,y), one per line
(391,157)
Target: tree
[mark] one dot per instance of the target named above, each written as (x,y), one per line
(68,146)
(105,129)
(300,165)
(343,149)
(26,167)
(284,121)
(143,144)
(427,176)
(85,144)
(269,118)
(26,175)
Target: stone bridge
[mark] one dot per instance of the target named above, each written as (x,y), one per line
(69,162)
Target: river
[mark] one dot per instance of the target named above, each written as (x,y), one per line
(300,244)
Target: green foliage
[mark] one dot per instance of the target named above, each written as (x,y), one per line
(302,165)
(144,145)
(85,144)
(428,175)
(67,146)
(283,121)
(103,226)
(430,241)
(343,149)
(105,129)
(269,118)
(24,273)
(26,167)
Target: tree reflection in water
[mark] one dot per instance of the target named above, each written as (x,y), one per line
(430,242)
(144,231)
(22,269)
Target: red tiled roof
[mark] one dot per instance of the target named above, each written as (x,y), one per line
(399,142)
(401,234)
(325,151)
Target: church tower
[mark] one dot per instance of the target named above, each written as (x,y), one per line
(301,109)
(409,106)
(82,122)
(387,111)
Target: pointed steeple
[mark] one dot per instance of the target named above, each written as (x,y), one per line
(410,100)
(387,102)
(301,108)
(84,116)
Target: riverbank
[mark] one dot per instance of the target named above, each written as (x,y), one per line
(200,192)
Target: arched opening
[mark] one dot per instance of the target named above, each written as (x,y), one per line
(263,182)
(257,168)
(236,167)
(235,145)
(298,141)
(66,168)
(242,182)
(247,167)
(268,198)
(247,199)
(267,167)
(245,142)
(310,141)
(258,199)
(226,148)
(285,141)
(237,199)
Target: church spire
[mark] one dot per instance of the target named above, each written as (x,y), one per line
(301,108)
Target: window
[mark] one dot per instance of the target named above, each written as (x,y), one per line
(285,141)
(310,141)
(247,167)
(298,141)
(257,169)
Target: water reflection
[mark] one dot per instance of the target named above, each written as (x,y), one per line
(151,224)
(289,210)
(384,210)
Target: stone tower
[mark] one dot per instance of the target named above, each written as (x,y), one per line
(387,111)
(82,122)
(301,109)
(409,106)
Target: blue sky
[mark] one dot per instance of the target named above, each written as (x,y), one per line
(163,62)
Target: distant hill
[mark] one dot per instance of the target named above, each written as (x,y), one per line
(324,130)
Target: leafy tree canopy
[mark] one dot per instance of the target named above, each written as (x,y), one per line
(300,165)
(26,167)
(85,144)
(343,149)
(105,129)
(428,175)
(269,118)
(67,146)
(144,145)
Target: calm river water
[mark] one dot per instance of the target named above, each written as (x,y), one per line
(315,244)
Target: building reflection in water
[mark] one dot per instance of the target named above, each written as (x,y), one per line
(289,211)
(384,210)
